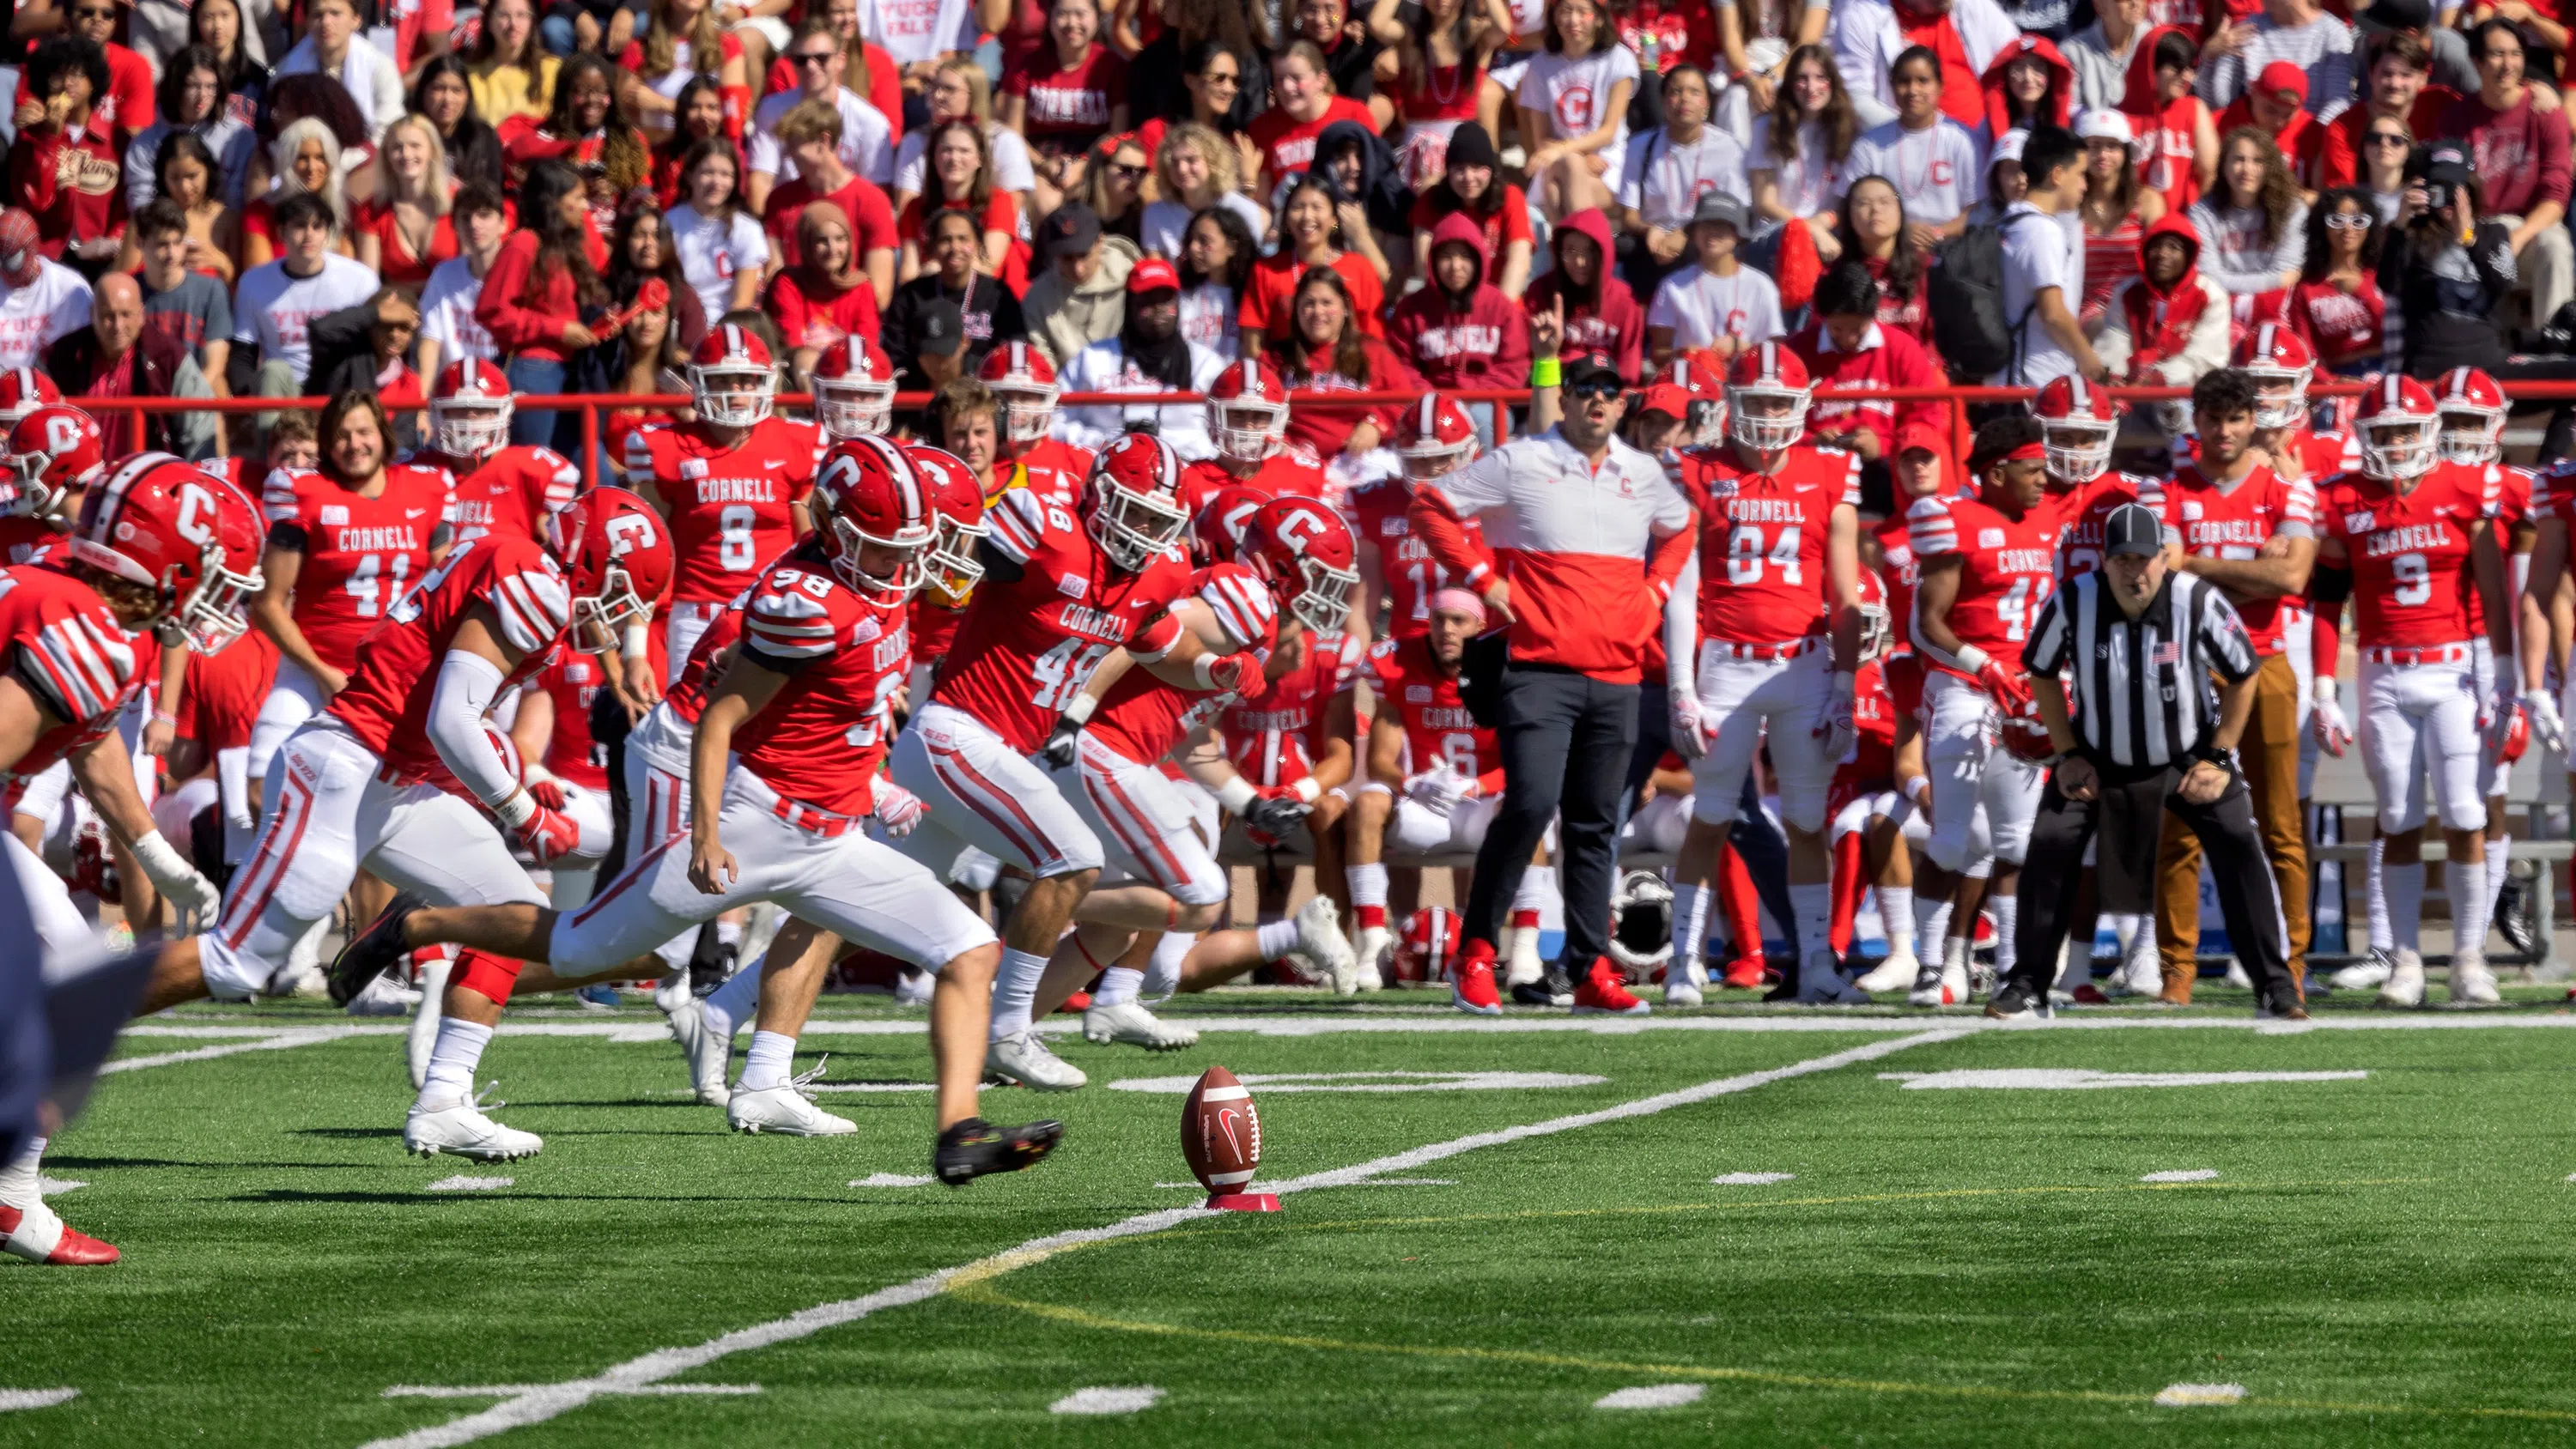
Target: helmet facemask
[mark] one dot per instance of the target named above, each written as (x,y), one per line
(951,567)
(1431,458)
(848,407)
(1247,431)
(2078,449)
(2399,447)
(1324,603)
(1705,425)
(2280,396)
(469,428)
(1028,408)
(599,620)
(1132,527)
(1877,632)
(1765,417)
(214,613)
(32,498)
(721,389)
(2471,435)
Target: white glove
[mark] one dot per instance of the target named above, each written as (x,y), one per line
(1835,732)
(1691,730)
(897,808)
(2542,711)
(1437,791)
(2326,721)
(194,895)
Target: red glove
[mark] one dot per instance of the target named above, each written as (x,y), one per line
(548,793)
(2009,694)
(1237,673)
(548,835)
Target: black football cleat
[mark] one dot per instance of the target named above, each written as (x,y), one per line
(373,951)
(1555,988)
(2012,1001)
(975,1147)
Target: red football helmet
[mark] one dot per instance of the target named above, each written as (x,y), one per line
(1766,398)
(22,391)
(1216,531)
(732,377)
(951,569)
(190,537)
(1700,373)
(2399,426)
(1133,507)
(54,452)
(2076,425)
(2472,409)
(853,389)
(870,492)
(616,557)
(1023,381)
(2280,362)
(1247,411)
(1428,945)
(1435,436)
(1305,552)
(469,411)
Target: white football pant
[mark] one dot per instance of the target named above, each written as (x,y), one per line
(2432,707)
(983,793)
(1983,800)
(1738,697)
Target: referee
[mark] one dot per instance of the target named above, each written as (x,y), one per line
(2142,642)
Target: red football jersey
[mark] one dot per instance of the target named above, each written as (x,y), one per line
(1145,719)
(21,539)
(2085,509)
(387,702)
(1276,737)
(1762,540)
(1872,760)
(1027,645)
(1898,573)
(1412,575)
(572,682)
(73,657)
(728,507)
(360,554)
(1056,472)
(822,736)
(492,496)
(1403,676)
(2008,567)
(2411,576)
(223,692)
(2235,523)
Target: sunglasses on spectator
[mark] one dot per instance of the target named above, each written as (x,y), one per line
(86,13)
(1126,172)
(814,57)
(1594,387)
(2387,138)
(1221,78)
(2348,221)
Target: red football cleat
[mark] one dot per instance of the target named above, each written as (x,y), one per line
(1603,994)
(39,1236)
(1076,1004)
(1471,981)
(1748,973)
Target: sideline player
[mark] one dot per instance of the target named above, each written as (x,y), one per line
(1021,379)
(1762,635)
(853,390)
(498,486)
(783,775)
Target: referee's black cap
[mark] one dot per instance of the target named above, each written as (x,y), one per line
(2133,529)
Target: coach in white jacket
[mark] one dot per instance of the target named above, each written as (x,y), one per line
(1148,356)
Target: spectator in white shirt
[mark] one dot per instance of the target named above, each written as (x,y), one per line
(2293,30)
(332,46)
(959,90)
(2253,227)
(274,308)
(867,145)
(1799,162)
(448,330)
(1934,162)
(722,248)
(40,301)
(1573,103)
(2042,286)
(1721,304)
(1672,166)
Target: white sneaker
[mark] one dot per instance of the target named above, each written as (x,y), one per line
(383,997)
(1376,944)
(1931,987)
(1896,973)
(2472,984)
(1320,940)
(2363,975)
(2405,984)
(2236,976)
(1127,1022)
(913,988)
(1023,1060)
(1955,985)
(1521,962)
(1685,982)
(787,1110)
(2142,976)
(708,1054)
(463,1129)
(1821,983)
(424,1020)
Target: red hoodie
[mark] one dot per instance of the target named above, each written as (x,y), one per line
(1484,344)
(2160,318)
(2053,107)
(1886,358)
(2164,129)
(1611,322)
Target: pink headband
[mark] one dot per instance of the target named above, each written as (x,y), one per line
(1462,600)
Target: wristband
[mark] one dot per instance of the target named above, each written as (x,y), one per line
(165,717)
(1915,787)
(159,859)
(1307,789)
(633,645)
(1080,710)
(1973,660)
(1236,794)
(1546,372)
(515,811)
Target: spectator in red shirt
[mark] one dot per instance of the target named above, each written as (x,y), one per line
(1327,350)
(2520,155)
(1067,98)
(2337,305)
(405,231)
(535,295)
(1303,104)
(2277,105)
(1601,314)
(700,115)
(123,101)
(2400,67)
(1460,331)
(811,136)
(825,296)
(1310,240)
(961,178)
(1472,183)
(62,168)
(1846,349)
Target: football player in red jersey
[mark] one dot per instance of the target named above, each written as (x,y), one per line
(853,389)
(159,548)
(1019,377)
(1763,633)
(1433,437)
(562,769)
(1291,742)
(372,782)
(2077,424)
(1059,591)
(35,514)
(1921,468)
(1986,565)
(498,486)
(783,777)
(2282,364)
(2417,537)
(1248,419)
(733,482)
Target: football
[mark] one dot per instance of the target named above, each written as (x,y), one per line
(1221,1132)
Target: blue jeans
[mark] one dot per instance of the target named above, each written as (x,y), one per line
(547,427)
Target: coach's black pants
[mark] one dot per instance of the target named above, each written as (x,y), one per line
(2129,815)
(1565,740)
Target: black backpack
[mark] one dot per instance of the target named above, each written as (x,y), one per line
(1963,293)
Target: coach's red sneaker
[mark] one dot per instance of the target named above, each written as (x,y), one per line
(1471,981)
(1603,994)
(39,1236)
(1748,973)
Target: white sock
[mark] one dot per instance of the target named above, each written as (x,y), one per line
(1163,973)
(1368,884)
(2402,887)
(1813,905)
(2377,921)
(1932,926)
(1275,939)
(1896,918)
(738,1000)
(1956,952)
(2499,856)
(452,1059)
(2465,881)
(1538,886)
(20,1185)
(1117,986)
(1690,922)
(772,1060)
(729,933)
(2007,911)
(1015,991)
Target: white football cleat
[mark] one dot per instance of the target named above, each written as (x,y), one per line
(2405,984)
(913,988)
(2143,975)
(463,1130)
(1376,942)
(383,997)
(787,1110)
(1685,983)
(1320,941)
(1896,973)
(708,1055)
(1521,962)
(1127,1022)
(424,1019)
(2365,974)
(671,988)
(1821,983)
(2472,984)
(1931,987)
(1023,1060)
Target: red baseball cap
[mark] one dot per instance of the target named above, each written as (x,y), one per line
(2282,75)
(1152,274)
(1667,398)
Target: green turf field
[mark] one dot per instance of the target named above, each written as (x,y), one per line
(2378,1259)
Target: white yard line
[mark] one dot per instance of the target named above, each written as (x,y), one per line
(283,1040)
(540,1403)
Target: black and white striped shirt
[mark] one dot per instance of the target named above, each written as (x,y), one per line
(2142,695)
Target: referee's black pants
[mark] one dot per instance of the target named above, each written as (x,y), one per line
(1565,740)
(2129,816)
